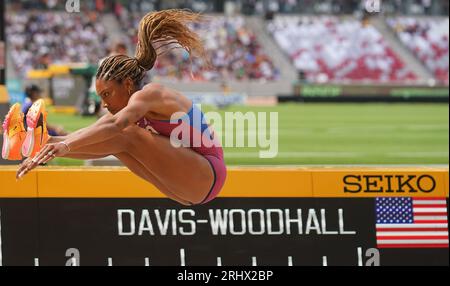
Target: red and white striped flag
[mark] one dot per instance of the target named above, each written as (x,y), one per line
(411,223)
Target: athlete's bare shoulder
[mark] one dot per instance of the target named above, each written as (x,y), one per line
(158,93)
(153,86)
(152,96)
(153,92)
(163,100)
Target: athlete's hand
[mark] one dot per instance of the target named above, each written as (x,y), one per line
(48,153)
(23,168)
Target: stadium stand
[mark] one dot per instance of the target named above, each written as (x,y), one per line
(35,39)
(428,39)
(340,49)
(231,47)
(329,48)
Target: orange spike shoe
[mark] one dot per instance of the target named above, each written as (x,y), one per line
(37,134)
(13,134)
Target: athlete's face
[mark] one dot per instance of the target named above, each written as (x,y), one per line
(114,95)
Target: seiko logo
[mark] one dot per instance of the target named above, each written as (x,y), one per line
(389,183)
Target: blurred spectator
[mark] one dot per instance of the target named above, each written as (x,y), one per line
(327,48)
(56,37)
(428,39)
(119,48)
(43,62)
(426,6)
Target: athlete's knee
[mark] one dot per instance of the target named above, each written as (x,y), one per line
(186,203)
(195,200)
(187,197)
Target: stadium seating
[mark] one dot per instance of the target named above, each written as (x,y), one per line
(331,49)
(323,48)
(428,39)
(233,51)
(33,35)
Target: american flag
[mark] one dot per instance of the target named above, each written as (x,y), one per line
(411,222)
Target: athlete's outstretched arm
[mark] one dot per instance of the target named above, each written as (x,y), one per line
(56,139)
(112,125)
(140,103)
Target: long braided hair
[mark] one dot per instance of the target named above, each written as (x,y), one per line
(159,32)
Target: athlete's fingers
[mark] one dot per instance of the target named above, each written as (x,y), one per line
(24,166)
(42,157)
(51,154)
(20,172)
(45,157)
(49,159)
(39,156)
(25,162)
(48,150)
(33,163)
(24,171)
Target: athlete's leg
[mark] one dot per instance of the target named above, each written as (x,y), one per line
(164,163)
(137,168)
(186,173)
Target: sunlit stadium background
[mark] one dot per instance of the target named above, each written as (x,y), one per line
(353,82)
